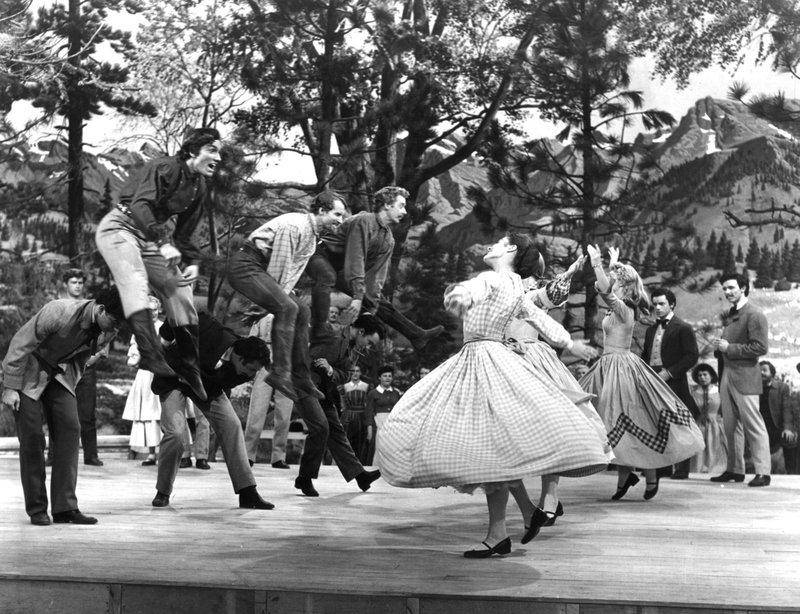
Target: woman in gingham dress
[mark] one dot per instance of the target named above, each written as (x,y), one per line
(648,425)
(544,359)
(486,417)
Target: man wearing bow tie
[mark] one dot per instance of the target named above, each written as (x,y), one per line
(670,348)
(743,342)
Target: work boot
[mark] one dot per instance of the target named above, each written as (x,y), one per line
(151,356)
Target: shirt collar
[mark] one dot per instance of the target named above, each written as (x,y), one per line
(742,302)
(312,221)
(381,389)
(381,223)
(226,357)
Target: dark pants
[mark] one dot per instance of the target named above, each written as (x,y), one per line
(175,442)
(86,396)
(61,412)
(324,429)
(791,457)
(322,268)
(248,275)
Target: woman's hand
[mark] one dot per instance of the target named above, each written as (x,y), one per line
(457,301)
(575,267)
(613,253)
(594,255)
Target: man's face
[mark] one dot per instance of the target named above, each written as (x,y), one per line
(498,250)
(367,341)
(766,374)
(205,162)
(333,218)
(245,367)
(733,293)
(107,322)
(581,370)
(386,379)
(75,287)
(661,306)
(333,314)
(396,211)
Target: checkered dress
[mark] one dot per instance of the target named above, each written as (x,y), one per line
(486,415)
(648,426)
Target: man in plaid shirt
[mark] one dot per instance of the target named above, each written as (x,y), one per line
(355,258)
(265,270)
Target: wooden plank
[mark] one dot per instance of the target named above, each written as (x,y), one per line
(18,596)
(138,599)
(282,602)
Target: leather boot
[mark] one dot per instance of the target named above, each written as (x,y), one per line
(301,359)
(418,336)
(152,356)
(187,339)
(280,373)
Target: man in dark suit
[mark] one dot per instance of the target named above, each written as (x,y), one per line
(744,340)
(670,348)
(777,409)
(44,362)
(332,359)
(226,360)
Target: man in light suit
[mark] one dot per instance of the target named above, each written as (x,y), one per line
(670,348)
(45,360)
(743,342)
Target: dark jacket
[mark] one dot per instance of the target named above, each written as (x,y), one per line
(215,340)
(678,355)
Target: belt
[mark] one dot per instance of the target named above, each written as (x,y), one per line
(250,249)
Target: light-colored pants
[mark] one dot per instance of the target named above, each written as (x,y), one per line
(257,416)
(137,265)
(742,418)
(226,425)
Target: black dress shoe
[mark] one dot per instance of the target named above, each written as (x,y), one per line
(251,500)
(307,486)
(538,520)
(366,478)
(40,519)
(503,547)
(48,462)
(632,480)
(281,465)
(679,475)
(202,463)
(760,480)
(74,517)
(729,476)
(93,461)
(149,462)
(551,520)
(652,492)
(185,463)
(160,500)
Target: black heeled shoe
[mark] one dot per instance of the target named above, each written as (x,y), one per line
(632,480)
(538,520)
(649,494)
(503,547)
(552,520)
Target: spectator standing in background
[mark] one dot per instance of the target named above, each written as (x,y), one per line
(378,405)
(777,410)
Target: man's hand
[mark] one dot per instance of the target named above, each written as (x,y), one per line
(369,433)
(11,399)
(353,309)
(720,344)
(171,254)
(321,363)
(789,436)
(664,374)
(190,274)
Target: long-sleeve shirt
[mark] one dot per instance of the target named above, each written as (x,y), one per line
(56,343)
(289,241)
(379,400)
(167,202)
(367,246)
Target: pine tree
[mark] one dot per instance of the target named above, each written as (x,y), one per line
(663,261)
(753,255)
(722,252)
(764,273)
(649,264)
(776,236)
(739,254)
(711,248)
(794,266)
(699,255)
(728,264)
(777,266)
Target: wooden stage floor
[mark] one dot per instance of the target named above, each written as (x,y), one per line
(696,547)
